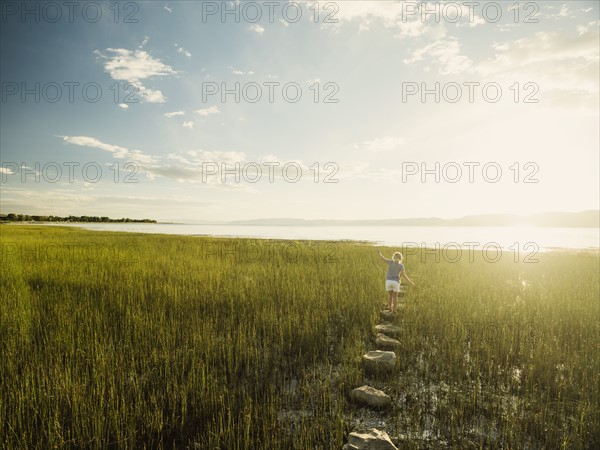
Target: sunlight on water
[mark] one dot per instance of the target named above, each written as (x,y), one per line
(522,238)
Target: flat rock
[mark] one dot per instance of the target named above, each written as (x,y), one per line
(388,329)
(373,440)
(370,396)
(378,361)
(387,314)
(386,342)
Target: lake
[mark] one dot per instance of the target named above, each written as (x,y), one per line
(522,238)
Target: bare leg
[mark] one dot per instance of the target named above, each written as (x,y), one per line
(394,301)
(390,298)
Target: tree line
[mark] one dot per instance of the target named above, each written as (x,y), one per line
(29,218)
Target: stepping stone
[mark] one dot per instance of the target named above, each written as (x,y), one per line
(370,396)
(373,440)
(386,342)
(379,361)
(388,329)
(387,314)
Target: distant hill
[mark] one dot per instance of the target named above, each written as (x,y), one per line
(584,219)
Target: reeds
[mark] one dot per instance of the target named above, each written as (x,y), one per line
(151,341)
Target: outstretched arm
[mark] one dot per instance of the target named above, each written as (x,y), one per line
(403,273)
(383,257)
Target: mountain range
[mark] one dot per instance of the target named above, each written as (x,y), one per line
(583,219)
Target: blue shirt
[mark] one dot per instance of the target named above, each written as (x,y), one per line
(394,269)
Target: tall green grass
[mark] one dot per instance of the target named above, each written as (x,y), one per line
(152,341)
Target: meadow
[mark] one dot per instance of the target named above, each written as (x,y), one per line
(122,340)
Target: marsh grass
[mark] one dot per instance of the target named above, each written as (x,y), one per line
(152,341)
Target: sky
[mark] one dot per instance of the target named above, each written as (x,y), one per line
(196,111)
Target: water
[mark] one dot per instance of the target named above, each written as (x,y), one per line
(526,239)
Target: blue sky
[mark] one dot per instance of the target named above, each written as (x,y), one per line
(376,143)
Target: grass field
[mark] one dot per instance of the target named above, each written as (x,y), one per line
(151,341)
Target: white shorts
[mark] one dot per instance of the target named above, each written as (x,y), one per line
(391,285)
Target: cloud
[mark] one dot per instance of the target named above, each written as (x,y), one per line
(472,22)
(188,124)
(241,72)
(362,171)
(591,26)
(134,66)
(208,111)
(405,19)
(382,144)
(6,170)
(123,105)
(388,14)
(151,95)
(174,114)
(444,52)
(183,51)
(563,66)
(564,12)
(226,157)
(217,169)
(61,201)
(46,200)
(256,28)
(543,47)
(209,168)
(117,151)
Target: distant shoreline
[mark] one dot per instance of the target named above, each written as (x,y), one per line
(582,219)
(302,225)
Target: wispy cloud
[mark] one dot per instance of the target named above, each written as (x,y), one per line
(564,12)
(446,53)
(241,72)
(61,201)
(212,168)
(183,51)
(188,124)
(381,13)
(134,66)
(208,111)
(256,28)
(559,64)
(404,19)
(116,150)
(174,114)
(382,144)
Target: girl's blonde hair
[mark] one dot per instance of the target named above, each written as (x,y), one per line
(397,257)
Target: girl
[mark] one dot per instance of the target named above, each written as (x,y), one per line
(392,279)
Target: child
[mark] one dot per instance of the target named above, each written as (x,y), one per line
(392,278)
